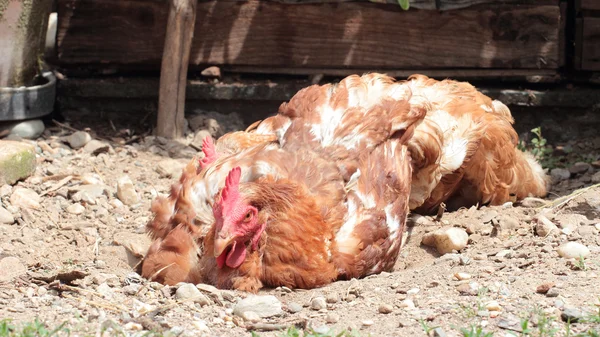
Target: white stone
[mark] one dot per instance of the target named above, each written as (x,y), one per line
(25,198)
(78,139)
(264,305)
(126,191)
(445,240)
(76,209)
(573,250)
(6,217)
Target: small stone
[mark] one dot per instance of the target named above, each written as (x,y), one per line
(571,315)
(294,307)
(126,191)
(105,290)
(76,209)
(78,139)
(136,244)
(11,268)
(188,291)
(544,287)
(169,168)
(132,326)
(413,291)
(464,260)
(318,303)
(553,292)
(580,168)
(25,198)
(385,309)
(211,72)
(462,276)
(467,289)
(438,332)
(264,305)
(559,174)
(367,322)
(96,147)
(6,217)
(596,178)
(573,250)
(332,318)
(200,326)
(493,306)
(408,304)
(250,316)
(332,298)
(28,129)
(116,203)
(544,226)
(446,240)
(507,253)
(17,161)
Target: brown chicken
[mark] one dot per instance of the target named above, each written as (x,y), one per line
(321,191)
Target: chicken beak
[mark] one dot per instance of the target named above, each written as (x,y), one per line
(222,244)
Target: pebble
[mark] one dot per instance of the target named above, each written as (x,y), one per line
(467,289)
(200,326)
(332,298)
(446,240)
(76,209)
(580,168)
(78,139)
(573,250)
(294,307)
(188,291)
(596,178)
(553,292)
(438,332)
(318,303)
(544,287)
(133,326)
(493,306)
(126,191)
(385,309)
(367,322)
(559,174)
(408,304)
(570,314)
(462,276)
(11,268)
(250,316)
(544,226)
(96,147)
(6,217)
(332,318)
(264,305)
(25,198)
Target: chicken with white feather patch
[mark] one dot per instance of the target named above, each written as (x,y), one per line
(321,191)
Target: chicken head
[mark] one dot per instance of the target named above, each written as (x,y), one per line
(237,225)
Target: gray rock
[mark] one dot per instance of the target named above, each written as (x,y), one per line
(126,191)
(11,268)
(17,161)
(571,315)
(580,168)
(96,147)
(294,307)
(169,168)
(79,139)
(29,129)
(559,174)
(552,292)
(596,178)
(88,193)
(318,303)
(188,291)
(264,305)
(25,198)
(6,217)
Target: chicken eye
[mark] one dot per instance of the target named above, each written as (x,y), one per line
(248,216)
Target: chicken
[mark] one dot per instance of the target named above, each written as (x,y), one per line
(321,191)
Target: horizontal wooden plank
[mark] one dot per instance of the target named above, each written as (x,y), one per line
(368,35)
(593,5)
(147,89)
(590,48)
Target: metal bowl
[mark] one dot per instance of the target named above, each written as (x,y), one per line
(28,102)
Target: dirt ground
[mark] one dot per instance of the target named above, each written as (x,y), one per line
(78,232)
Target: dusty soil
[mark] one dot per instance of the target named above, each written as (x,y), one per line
(69,256)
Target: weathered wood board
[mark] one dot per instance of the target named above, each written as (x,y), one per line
(590,44)
(588,5)
(329,35)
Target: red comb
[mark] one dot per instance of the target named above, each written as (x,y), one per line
(232,181)
(210,153)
